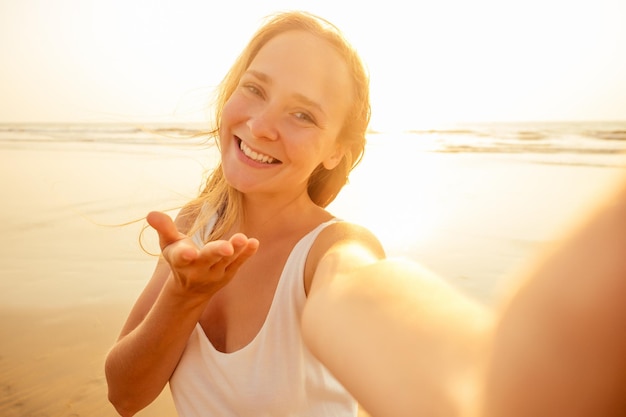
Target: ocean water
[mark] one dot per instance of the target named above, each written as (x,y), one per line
(590,138)
(471,202)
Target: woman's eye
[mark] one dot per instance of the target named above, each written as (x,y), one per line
(304,117)
(253,89)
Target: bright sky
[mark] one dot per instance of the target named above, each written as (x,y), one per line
(430,61)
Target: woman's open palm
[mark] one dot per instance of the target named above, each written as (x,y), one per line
(200,270)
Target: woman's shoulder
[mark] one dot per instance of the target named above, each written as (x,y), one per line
(333,236)
(341,232)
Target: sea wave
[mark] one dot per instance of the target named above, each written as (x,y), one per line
(112,133)
(540,138)
(562,137)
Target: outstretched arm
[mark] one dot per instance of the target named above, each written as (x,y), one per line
(156,332)
(405,343)
(560,343)
(400,339)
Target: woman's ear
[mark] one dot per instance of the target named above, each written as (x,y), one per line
(333,159)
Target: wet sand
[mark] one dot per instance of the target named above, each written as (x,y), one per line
(52,362)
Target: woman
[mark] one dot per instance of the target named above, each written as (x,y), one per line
(247,311)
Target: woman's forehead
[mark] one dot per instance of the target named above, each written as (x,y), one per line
(307,64)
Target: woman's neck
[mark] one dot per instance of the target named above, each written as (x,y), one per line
(274,216)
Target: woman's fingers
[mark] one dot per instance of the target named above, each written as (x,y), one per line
(165,227)
(177,255)
(244,248)
(220,259)
(230,254)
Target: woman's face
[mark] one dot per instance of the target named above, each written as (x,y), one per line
(284,117)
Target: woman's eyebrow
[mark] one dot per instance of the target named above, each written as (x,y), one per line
(309,103)
(260,75)
(263,77)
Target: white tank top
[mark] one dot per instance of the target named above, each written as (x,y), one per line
(274,375)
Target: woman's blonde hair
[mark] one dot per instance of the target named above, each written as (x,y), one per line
(217,195)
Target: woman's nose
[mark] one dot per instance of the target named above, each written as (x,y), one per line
(263,124)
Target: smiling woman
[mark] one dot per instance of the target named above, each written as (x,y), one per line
(223,309)
(264,108)
(471,220)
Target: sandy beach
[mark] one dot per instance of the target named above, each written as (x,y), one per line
(68,275)
(52,361)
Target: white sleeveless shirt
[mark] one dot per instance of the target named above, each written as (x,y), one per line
(274,375)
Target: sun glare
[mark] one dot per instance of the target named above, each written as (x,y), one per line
(397,191)
(430,62)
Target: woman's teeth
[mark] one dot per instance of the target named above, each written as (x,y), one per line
(255,155)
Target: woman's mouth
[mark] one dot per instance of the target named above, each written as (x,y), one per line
(256,156)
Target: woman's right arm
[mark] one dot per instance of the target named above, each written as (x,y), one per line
(560,345)
(400,339)
(158,327)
